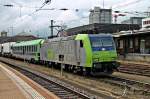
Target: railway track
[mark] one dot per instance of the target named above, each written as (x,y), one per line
(59,88)
(137,69)
(133,85)
(136,86)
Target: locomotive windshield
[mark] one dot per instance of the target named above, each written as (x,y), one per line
(107,41)
(101,41)
(95,41)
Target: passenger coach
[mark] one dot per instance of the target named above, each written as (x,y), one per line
(28,50)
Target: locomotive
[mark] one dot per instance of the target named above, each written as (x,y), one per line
(85,53)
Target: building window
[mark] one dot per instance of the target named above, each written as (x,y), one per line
(136,42)
(120,45)
(131,43)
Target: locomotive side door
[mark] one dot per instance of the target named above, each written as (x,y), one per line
(80,53)
(77,51)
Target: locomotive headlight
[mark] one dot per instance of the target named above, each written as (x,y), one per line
(94,65)
(103,49)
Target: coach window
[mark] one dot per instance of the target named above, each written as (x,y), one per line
(18,48)
(29,48)
(32,48)
(36,47)
(26,48)
(23,48)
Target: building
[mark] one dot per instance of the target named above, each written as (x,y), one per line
(3,34)
(146,23)
(101,16)
(137,41)
(17,38)
(133,20)
(133,45)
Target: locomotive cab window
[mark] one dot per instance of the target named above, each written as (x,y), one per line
(81,43)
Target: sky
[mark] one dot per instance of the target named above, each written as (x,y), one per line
(24,17)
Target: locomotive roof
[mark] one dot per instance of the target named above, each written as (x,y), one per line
(28,43)
(79,36)
(100,35)
(62,38)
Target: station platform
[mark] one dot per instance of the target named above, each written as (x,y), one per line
(14,85)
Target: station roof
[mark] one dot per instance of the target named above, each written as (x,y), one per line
(97,28)
(134,32)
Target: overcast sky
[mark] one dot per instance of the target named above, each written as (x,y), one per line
(22,18)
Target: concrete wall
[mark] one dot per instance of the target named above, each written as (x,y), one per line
(137,57)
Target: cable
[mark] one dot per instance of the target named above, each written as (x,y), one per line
(46,2)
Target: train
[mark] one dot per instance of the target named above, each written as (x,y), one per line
(93,54)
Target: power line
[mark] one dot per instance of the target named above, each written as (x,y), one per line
(46,2)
